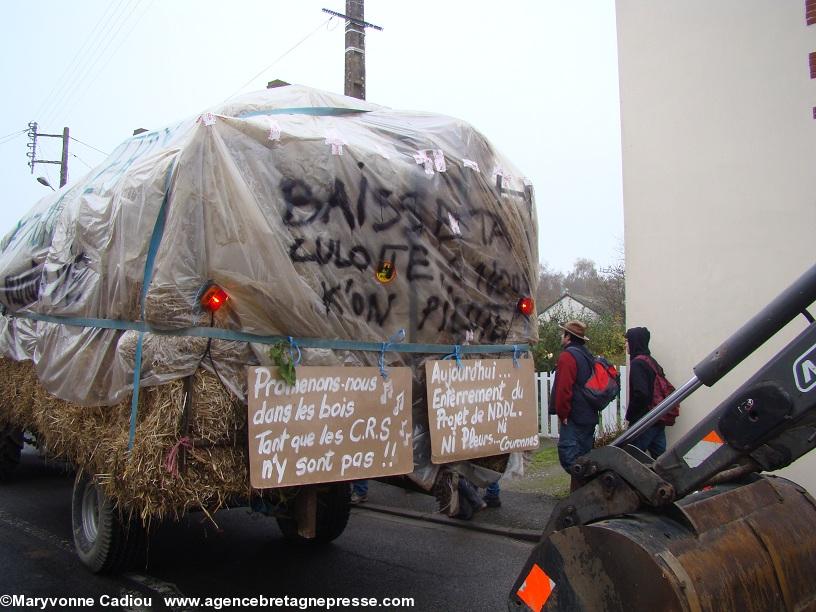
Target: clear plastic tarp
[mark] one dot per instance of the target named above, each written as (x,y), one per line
(321,216)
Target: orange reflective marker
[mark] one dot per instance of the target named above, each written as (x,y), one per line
(537,588)
(713,436)
(700,452)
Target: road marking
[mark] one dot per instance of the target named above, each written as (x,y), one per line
(36,532)
(154,586)
(159,587)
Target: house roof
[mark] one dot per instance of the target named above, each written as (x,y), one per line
(584,301)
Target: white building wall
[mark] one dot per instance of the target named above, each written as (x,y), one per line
(719,176)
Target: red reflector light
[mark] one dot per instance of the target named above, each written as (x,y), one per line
(526,306)
(213,298)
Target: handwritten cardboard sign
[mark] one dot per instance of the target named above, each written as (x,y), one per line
(485,407)
(334,423)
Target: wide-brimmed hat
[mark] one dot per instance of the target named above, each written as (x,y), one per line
(576,328)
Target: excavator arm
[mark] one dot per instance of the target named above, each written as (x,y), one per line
(699,528)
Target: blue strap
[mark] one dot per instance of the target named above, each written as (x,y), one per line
(134,402)
(317,111)
(227,334)
(397,337)
(456,354)
(516,353)
(152,250)
(293,346)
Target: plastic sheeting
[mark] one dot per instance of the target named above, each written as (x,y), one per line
(291,199)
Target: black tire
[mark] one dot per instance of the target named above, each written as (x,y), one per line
(333,509)
(104,541)
(11,445)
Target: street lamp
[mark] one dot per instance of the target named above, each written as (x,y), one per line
(44,181)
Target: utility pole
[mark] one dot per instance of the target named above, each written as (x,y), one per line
(355,50)
(32,151)
(355,47)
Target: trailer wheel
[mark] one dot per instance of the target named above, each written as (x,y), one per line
(333,509)
(11,445)
(104,541)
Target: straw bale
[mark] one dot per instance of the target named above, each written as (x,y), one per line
(161,353)
(19,384)
(171,309)
(132,309)
(96,439)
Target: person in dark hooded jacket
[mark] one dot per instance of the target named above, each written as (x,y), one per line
(641,388)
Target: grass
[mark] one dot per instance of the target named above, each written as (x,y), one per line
(543,474)
(545,457)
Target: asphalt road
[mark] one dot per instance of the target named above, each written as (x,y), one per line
(441,567)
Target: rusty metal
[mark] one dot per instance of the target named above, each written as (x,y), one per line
(741,548)
(605,496)
(628,464)
(735,473)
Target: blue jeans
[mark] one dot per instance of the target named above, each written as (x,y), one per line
(574,441)
(652,441)
(360,487)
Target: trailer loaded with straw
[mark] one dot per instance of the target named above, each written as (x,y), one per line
(263,303)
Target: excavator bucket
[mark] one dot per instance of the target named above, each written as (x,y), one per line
(749,547)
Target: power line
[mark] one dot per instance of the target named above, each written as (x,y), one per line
(280,57)
(12,136)
(87,145)
(82,160)
(100,50)
(14,133)
(122,40)
(48,176)
(64,79)
(90,57)
(8,140)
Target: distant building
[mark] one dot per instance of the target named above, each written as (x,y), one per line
(569,307)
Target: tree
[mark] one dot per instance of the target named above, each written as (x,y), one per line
(605,290)
(550,286)
(606,337)
(612,295)
(584,279)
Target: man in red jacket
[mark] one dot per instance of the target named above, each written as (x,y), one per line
(577,418)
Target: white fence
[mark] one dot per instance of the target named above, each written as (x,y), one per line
(611,418)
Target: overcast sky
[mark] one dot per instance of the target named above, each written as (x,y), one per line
(539,78)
